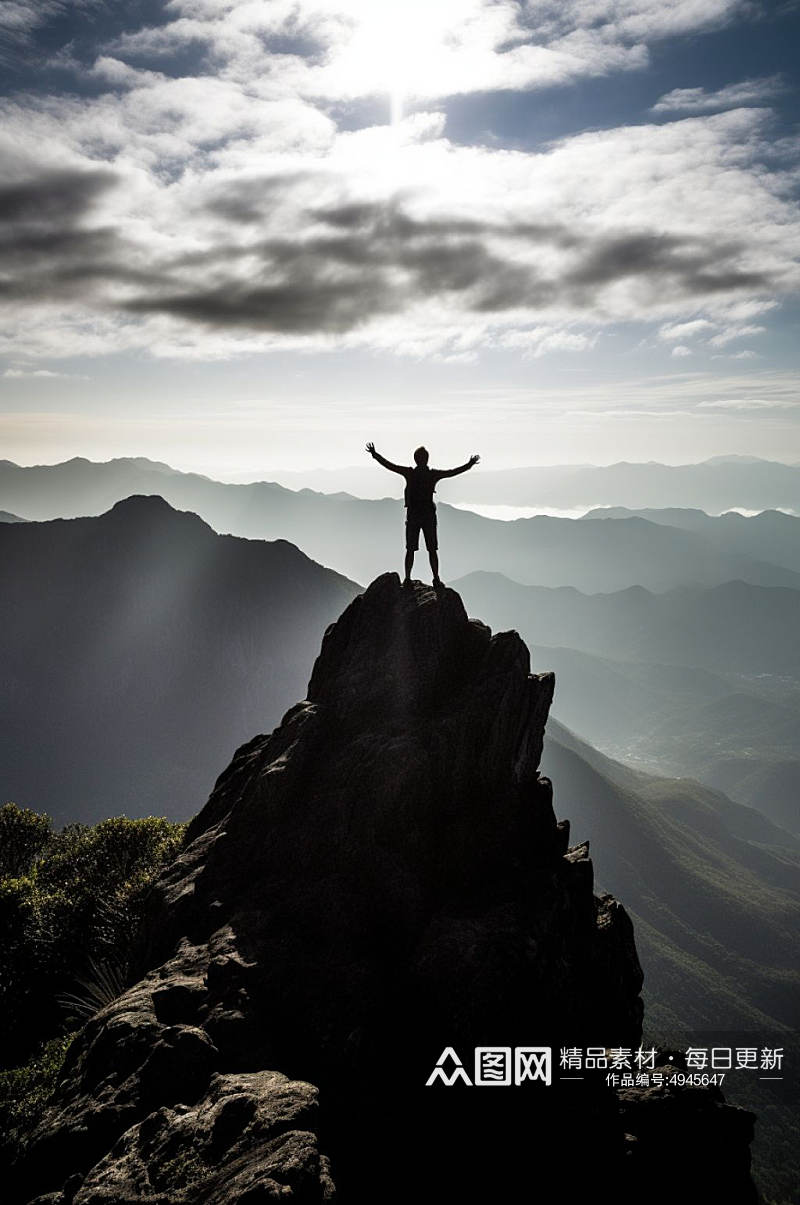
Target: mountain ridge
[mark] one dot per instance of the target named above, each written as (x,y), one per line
(714,485)
(118,631)
(646,829)
(352,534)
(700,682)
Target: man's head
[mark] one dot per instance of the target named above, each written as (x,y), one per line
(421,456)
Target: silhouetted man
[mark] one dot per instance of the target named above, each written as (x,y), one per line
(420,506)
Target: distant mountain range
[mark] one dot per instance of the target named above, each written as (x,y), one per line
(139,649)
(712,889)
(713,485)
(7,517)
(770,536)
(711,885)
(741,738)
(699,682)
(687,677)
(362,538)
(735,627)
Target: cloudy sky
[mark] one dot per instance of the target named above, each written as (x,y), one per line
(243,234)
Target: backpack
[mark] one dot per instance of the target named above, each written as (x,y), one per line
(420,485)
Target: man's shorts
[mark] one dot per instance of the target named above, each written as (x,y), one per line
(421,521)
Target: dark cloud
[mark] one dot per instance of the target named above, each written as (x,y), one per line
(351,263)
(729,281)
(692,268)
(297,306)
(46,250)
(334,285)
(389,218)
(359,260)
(249,201)
(54,263)
(334,282)
(59,196)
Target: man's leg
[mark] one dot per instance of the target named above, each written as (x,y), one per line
(412,544)
(432,545)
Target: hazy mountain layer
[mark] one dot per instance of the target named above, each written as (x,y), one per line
(362,538)
(697,682)
(715,902)
(771,535)
(679,721)
(735,627)
(713,485)
(138,649)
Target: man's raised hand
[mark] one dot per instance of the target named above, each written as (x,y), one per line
(473,459)
(371,448)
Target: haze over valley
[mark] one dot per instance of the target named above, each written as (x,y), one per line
(672,632)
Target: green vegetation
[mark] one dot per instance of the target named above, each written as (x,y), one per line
(24,1091)
(71,904)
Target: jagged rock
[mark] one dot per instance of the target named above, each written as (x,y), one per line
(689,1132)
(250,1137)
(380,878)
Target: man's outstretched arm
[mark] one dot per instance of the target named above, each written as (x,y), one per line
(462,468)
(387,464)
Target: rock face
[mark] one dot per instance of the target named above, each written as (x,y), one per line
(380,878)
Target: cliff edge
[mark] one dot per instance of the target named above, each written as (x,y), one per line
(378,881)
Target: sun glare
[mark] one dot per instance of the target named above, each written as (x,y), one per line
(400,48)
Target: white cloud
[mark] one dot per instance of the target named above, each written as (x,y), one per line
(642,413)
(291,234)
(685,330)
(681,350)
(224,213)
(698,100)
(684,392)
(25,373)
(341,49)
(538,341)
(735,332)
(749,403)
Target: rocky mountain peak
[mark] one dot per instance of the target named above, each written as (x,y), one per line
(380,880)
(151,509)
